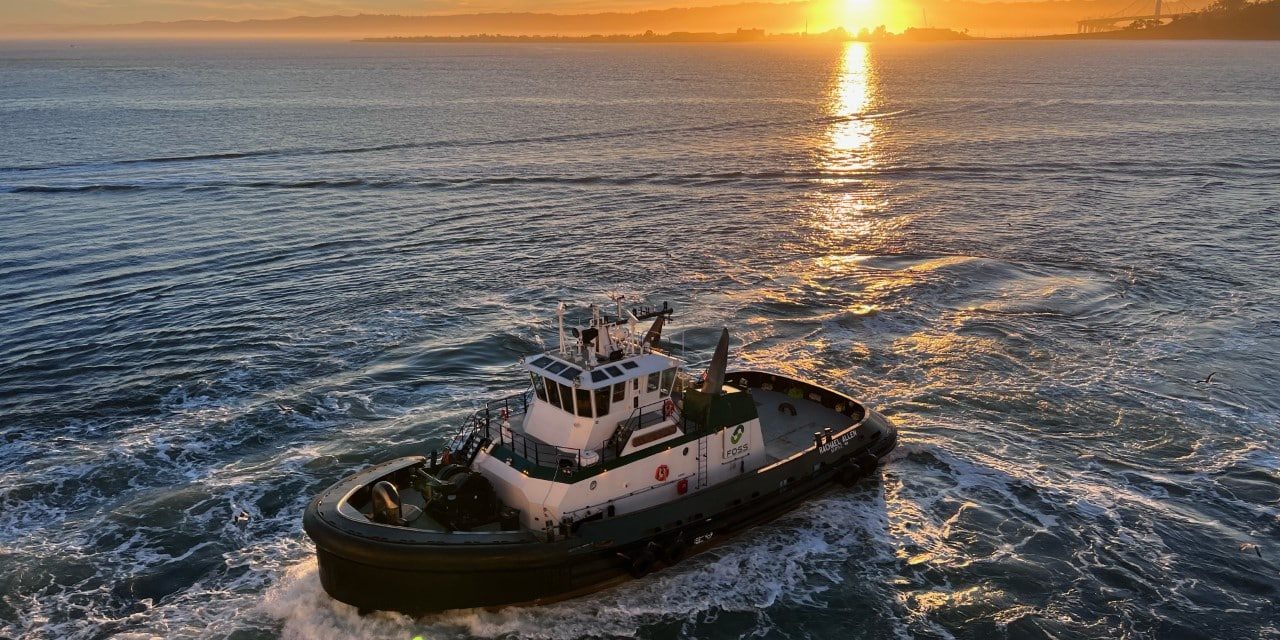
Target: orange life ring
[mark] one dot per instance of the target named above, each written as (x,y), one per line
(662,472)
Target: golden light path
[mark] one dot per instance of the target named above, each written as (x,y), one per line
(850,101)
(849,158)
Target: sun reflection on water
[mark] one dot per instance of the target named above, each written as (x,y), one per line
(851,99)
(849,199)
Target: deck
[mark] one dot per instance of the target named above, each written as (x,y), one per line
(785,434)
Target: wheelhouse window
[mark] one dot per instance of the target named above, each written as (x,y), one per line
(602,401)
(584,402)
(553,393)
(653,382)
(538,387)
(619,391)
(566,398)
(668,378)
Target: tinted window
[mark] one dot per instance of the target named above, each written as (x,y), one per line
(553,393)
(619,391)
(566,398)
(570,373)
(599,375)
(653,382)
(537,386)
(630,365)
(584,402)
(614,371)
(602,401)
(557,367)
(542,362)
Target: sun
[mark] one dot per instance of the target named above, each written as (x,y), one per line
(853,14)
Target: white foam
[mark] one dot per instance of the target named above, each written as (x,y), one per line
(795,561)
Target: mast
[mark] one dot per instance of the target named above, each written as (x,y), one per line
(560,319)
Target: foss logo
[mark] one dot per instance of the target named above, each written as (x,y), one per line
(736,442)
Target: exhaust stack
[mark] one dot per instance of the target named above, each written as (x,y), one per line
(719,362)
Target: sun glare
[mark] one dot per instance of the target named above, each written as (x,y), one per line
(855,14)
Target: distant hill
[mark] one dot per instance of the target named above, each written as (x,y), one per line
(1028,17)
(775,16)
(1223,21)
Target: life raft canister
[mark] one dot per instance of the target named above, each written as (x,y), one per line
(682,487)
(661,473)
(668,408)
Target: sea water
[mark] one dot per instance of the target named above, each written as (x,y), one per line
(233,273)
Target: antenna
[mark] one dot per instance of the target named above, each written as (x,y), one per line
(560,319)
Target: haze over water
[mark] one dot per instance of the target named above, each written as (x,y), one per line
(232,274)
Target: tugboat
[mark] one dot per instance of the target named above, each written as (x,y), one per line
(613,464)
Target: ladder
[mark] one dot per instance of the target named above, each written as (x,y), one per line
(702,462)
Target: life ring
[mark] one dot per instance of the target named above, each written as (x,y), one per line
(503,415)
(668,408)
(661,473)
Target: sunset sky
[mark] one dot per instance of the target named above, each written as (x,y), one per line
(121,11)
(984,17)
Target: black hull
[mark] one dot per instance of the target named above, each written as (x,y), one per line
(417,574)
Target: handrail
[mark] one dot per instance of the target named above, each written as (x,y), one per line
(573,513)
(628,426)
(486,425)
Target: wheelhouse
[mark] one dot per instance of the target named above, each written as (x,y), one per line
(604,390)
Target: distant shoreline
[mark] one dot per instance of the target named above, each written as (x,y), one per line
(681,37)
(1225,20)
(500,39)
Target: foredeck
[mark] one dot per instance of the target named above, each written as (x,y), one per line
(785,434)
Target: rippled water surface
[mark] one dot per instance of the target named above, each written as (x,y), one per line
(231,274)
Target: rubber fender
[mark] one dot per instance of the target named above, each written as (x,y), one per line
(867,464)
(849,474)
(675,551)
(642,564)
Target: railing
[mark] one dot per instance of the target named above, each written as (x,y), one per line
(487,426)
(492,424)
(828,398)
(647,415)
